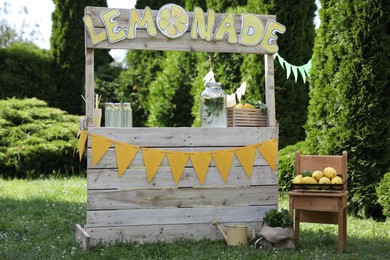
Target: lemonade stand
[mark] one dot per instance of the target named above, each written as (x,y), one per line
(148,184)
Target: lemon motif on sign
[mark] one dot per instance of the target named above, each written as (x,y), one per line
(172,20)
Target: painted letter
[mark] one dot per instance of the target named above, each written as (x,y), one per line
(145,22)
(114,33)
(96,38)
(199,26)
(269,41)
(226,26)
(251,30)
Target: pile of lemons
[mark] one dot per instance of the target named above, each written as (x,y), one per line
(327,176)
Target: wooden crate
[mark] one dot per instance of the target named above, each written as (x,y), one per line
(246,117)
(129,208)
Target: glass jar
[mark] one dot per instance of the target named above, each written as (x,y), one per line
(127,115)
(117,115)
(213,112)
(108,114)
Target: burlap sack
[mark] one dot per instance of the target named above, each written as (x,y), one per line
(276,237)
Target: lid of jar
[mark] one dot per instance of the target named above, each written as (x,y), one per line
(213,84)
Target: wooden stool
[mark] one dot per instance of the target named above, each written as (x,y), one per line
(324,207)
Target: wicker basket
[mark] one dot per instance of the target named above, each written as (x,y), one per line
(246,117)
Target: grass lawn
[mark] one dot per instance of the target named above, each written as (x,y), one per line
(38,217)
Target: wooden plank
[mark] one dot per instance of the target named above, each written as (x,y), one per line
(83,237)
(168,233)
(270,90)
(317,203)
(322,217)
(108,161)
(186,137)
(181,197)
(183,43)
(89,85)
(136,178)
(171,216)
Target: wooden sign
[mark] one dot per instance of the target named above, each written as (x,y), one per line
(172,28)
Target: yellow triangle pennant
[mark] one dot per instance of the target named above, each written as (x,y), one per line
(269,151)
(223,159)
(152,160)
(246,156)
(99,146)
(82,141)
(201,162)
(125,154)
(177,162)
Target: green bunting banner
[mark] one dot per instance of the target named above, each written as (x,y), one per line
(304,70)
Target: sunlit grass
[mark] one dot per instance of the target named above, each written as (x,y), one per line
(37,219)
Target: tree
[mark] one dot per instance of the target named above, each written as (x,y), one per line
(296,46)
(67,45)
(349,94)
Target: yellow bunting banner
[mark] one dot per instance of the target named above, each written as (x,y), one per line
(246,156)
(152,161)
(99,146)
(177,162)
(223,159)
(269,151)
(201,162)
(125,154)
(82,141)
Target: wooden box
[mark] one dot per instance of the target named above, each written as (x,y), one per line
(246,117)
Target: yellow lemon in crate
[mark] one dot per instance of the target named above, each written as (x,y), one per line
(330,172)
(317,175)
(337,180)
(297,180)
(309,180)
(324,180)
(239,105)
(248,106)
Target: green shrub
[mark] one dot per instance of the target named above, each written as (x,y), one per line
(36,140)
(26,72)
(383,193)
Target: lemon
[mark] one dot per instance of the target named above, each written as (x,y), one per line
(330,172)
(309,180)
(239,105)
(248,106)
(337,180)
(317,175)
(324,180)
(297,180)
(172,20)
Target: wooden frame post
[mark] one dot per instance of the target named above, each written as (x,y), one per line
(270,90)
(89,85)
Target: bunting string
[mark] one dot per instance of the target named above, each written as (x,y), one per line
(177,160)
(304,70)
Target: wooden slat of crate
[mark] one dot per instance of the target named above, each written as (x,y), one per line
(136,178)
(170,233)
(172,216)
(246,117)
(187,137)
(181,197)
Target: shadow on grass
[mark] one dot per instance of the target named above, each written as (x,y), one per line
(45,229)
